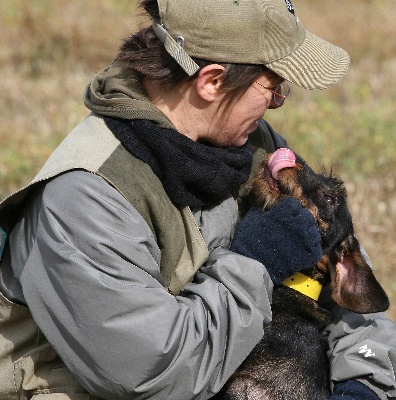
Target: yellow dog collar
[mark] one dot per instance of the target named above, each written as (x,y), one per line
(304,284)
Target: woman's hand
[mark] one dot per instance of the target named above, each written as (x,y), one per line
(285,238)
(352,390)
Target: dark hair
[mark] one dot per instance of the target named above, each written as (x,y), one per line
(147,56)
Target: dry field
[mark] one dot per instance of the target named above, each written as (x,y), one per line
(49,50)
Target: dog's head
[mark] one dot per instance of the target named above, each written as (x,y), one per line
(353,284)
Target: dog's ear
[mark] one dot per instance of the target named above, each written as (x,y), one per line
(353,284)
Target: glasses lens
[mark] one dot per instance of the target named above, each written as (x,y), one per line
(283,91)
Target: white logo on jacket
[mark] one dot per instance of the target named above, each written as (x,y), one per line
(367,352)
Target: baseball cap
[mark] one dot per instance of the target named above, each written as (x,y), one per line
(266,32)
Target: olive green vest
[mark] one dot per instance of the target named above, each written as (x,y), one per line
(29,367)
(92,146)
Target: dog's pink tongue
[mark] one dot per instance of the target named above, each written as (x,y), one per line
(281,158)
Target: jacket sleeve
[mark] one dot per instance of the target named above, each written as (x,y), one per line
(89,268)
(363,348)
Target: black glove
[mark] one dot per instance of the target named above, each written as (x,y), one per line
(352,390)
(285,238)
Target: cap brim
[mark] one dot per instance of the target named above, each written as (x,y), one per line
(316,64)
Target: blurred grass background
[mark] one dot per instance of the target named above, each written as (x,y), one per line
(49,50)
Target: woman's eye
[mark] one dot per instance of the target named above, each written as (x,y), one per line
(330,200)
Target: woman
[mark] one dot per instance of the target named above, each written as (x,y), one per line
(115,274)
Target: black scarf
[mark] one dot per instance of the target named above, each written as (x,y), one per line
(192,173)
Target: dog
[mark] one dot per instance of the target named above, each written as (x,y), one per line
(291,362)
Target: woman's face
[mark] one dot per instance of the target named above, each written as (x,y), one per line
(233,128)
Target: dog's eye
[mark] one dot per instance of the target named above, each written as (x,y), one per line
(330,200)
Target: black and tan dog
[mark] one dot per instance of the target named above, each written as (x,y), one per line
(291,362)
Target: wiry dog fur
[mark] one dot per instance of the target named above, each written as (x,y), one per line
(291,362)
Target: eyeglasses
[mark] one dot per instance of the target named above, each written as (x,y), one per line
(279,93)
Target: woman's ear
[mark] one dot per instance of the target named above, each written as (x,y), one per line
(209,81)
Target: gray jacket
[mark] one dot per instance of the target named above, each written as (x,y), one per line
(93,286)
